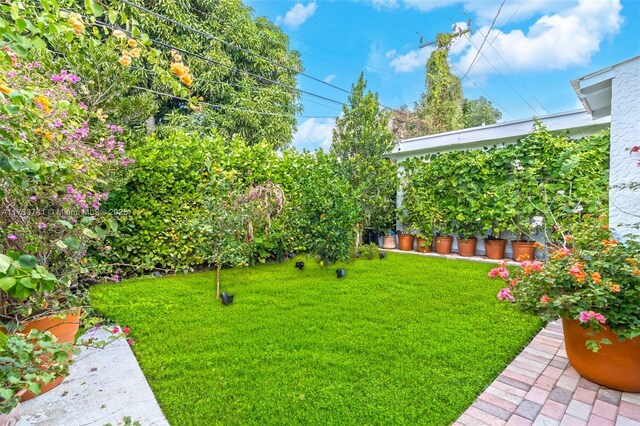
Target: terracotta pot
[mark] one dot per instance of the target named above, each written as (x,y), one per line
(389,242)
(523,250)
(423,245)
(405,242)
(467,248)
(616,366)
(443,245)
(65,330)
(494,249)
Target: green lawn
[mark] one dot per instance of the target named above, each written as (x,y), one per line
(404,340)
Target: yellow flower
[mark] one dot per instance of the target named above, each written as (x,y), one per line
(48,135)
(132,43)
(135,53)
(119,34)
(125,60)
(5,89)
(102,117)
(76,22)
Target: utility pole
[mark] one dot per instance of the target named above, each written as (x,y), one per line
(457,32)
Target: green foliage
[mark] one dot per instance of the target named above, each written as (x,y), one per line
(23,366)
(361,140)
(598,275)
(368,251)
(502,188)
(301,347)
(478,112)
(20,276)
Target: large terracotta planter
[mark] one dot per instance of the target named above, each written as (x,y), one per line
(65,330)
(467,247)
(423,245)
(389,242)
(523,250)
(494,249)
(616,366)
(443,245)
(405,242)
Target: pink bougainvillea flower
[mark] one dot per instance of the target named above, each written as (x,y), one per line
(587,316)
(42,226)
(116,330)
(11,237)
(131,342)
(545,299)
(126,330)
(505,294)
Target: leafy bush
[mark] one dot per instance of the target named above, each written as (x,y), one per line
(502,188)
(368,251)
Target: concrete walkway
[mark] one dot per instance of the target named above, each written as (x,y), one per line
(104,386)
(539,387)
(453,256)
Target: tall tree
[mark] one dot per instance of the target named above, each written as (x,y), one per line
(240,66)
(478,112)
(361,139)
(440,109)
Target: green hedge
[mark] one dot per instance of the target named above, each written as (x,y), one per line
(166,188)
(502,188)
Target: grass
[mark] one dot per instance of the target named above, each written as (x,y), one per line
(404,340)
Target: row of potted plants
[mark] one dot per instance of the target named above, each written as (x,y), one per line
(494,248)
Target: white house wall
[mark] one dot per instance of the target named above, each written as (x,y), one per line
(624,204)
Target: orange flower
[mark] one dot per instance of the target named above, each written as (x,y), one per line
(545,299)
(125,60)
(636,272)
(610,242)
(596,277)
(44,103)
(577,272)
(48,135)
(186,79)
(76,22)
(135,53)
(5,89)
(538,245)
(615,288)
(132,43)
(179,69)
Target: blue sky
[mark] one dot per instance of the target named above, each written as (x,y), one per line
(533,51)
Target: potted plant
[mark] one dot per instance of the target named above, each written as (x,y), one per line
(27,363)
(595,289)
(443,241)
(524,247)
(466,231)
(389,240)
(405,241)
(424,241)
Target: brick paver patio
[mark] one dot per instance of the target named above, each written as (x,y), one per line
(539,387)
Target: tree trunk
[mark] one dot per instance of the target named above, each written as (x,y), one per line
(358,237)
(218,267)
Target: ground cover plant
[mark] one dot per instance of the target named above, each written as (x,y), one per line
(404,340)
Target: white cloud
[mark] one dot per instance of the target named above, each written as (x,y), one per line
(329,78)
(297,15)
(557,41)
(314,133)
(411,61)
(391,53)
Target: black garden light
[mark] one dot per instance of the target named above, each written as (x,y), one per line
(227,299)
(300,265)
(382,255)
(341,273)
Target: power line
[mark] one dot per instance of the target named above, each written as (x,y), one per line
(230,107)
(226,43)
(484,92)
(503,60)
(484,39)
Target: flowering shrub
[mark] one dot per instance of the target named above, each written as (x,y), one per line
(596,282)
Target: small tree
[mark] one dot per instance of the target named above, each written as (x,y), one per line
(478,112)
(361,140)
(231,214)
